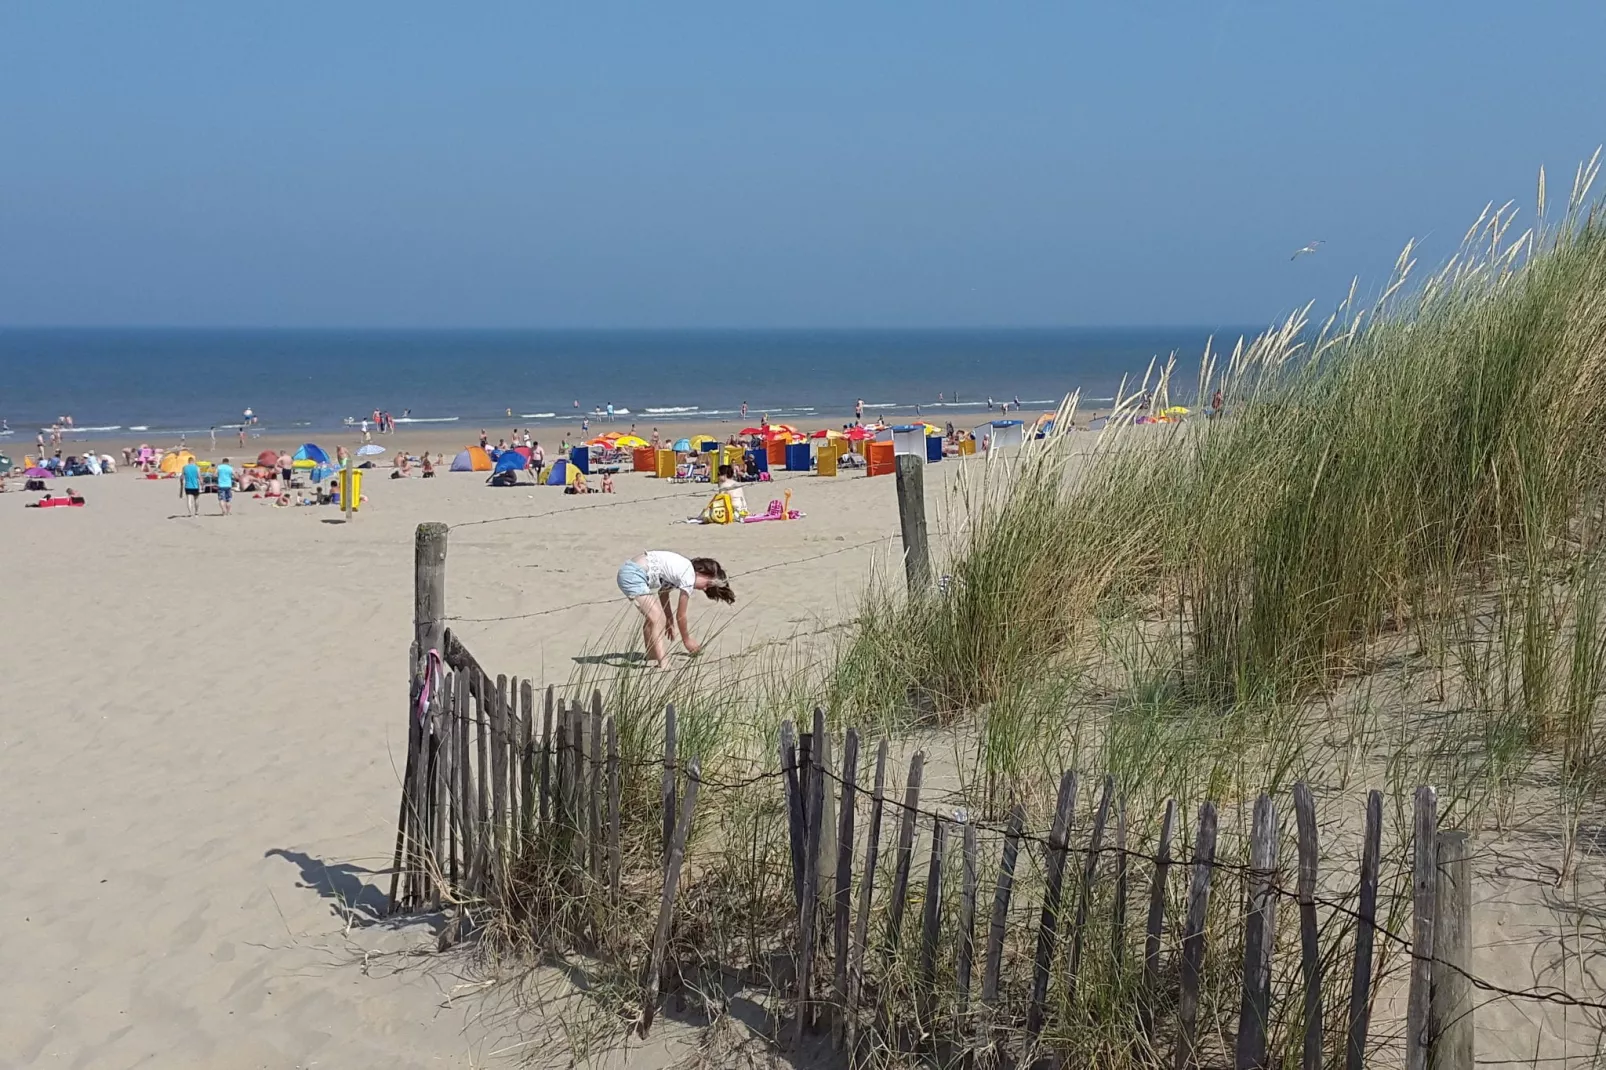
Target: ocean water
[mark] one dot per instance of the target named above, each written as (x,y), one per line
(154,382)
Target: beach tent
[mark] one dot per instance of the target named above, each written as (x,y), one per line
(558,475)
(172,462)
(313,453)
(472,459)
(526,452)
(683,445)
(512,461)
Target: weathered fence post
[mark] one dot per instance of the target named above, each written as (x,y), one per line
(844,888)
(931,920)
(900,876)
(1118,915)
(967,925)
(1048,925)
(1310,951)
(1360,994)
(1450,1007)
(1260,937)
(911,478)
(613,811)
(526,763)
(861,924)
(993,964)
(597,779)
(794,805)
(429,586)
(548,754)
(667,791)
(1154,927)
(1193,935)
(1424,896)
(1085,893)
(808,905)
(666,905)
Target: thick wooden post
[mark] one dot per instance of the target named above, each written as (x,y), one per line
(429,586)
(911,477)
(1450,1007)
(1260,937)
(1424,896)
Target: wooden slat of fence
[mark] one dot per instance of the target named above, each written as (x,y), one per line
(843,898)
(1424,896)
(400,867)
(808,909)
(794,805)
(1084,894)
(1310,952)
(967,926)
(861,927)
(1260,937)
(547,757)
(482,787)
(1048,923)
(596,792)
(1154,927)
(449,781)
(527,774)
(1450,1022)
(930,928)
(905,852)
(651,978)
(1193,936)
(1118,914)
(1001,896)
(614,860)
(467,826)
(577,788)
(1360,995)
(498,837)
(825,765)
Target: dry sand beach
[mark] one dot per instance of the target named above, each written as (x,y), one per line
(204,746)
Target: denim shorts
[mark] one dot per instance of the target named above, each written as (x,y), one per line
(633,580)
(225,494)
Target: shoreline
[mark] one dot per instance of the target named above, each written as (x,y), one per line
(448,439)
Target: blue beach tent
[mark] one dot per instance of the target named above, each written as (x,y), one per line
(312,452)
(558,474)
(511,461)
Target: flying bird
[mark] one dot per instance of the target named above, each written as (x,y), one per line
(1311,248)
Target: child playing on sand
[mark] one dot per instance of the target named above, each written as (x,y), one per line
(647,580)
(607,482)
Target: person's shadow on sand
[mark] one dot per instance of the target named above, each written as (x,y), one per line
(623,660)
(340,882)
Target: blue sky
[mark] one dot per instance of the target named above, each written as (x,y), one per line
(892,164)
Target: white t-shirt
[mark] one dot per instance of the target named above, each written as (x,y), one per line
(667,569)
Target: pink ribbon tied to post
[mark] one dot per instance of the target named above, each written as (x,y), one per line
(433,673)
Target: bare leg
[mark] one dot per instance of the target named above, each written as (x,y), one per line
(652,629)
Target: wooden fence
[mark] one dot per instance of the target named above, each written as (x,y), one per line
(511,809)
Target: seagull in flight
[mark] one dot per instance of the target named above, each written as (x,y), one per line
(1303,249)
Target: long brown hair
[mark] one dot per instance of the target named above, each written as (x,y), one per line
(718,588)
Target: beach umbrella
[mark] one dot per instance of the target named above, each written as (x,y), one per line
(38,473)
(512,461)
(751,431)
(635,442)
(859,434)
(268,459)
(370,450)
(826,432)
(682,444)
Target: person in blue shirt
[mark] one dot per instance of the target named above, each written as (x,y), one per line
(190,487)
(225,487)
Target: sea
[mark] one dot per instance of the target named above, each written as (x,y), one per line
(166,382)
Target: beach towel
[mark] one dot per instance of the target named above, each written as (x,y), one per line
(776,511)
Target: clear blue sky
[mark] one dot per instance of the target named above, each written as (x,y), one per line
(670,164)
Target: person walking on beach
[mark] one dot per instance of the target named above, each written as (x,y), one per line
(484,438)
(744,410)
(610,412)
(647,581)
(189,487)
(537,460)
(225,487)
(858,411)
